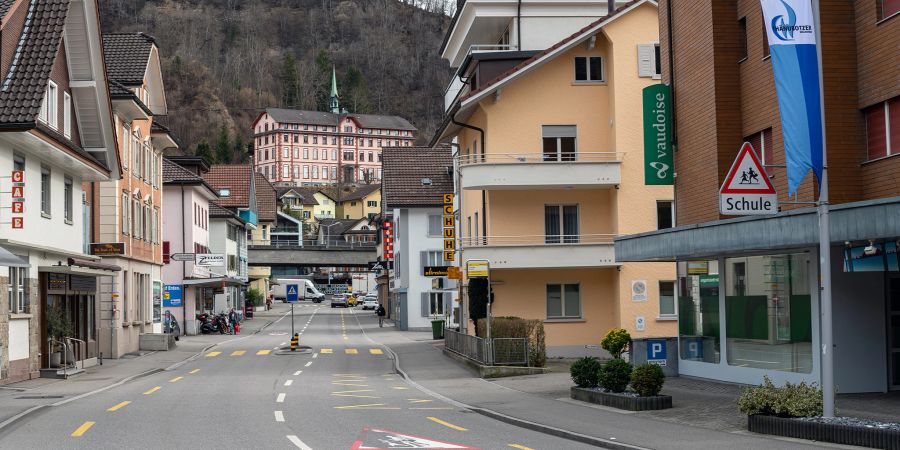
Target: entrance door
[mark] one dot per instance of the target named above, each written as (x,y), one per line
(894,331)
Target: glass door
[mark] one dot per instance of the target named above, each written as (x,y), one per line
(894,332)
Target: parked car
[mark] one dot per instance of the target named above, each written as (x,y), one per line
(370,303)
(341,300)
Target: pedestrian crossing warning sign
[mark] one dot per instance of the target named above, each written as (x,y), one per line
(377,439)
(747,189)
(292,293)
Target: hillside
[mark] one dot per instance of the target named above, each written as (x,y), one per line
(226,60)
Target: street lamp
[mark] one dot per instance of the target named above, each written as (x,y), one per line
(328,233)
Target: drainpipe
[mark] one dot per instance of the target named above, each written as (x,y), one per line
(183,266)
(518,27)
(671,71)
(483,195)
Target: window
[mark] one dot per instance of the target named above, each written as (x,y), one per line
(18,290)
(45,191)
(67,115)
(305,139)
(285,152)
(372,203)
(588,68)
(742,38)
(49,108)
(765,39)
(296,171)
(334,154)
(435,303)
(435,225)
(665,214)
(315,139)
(68,194)
(125,205)
(762,144)
(649,63)
(887,8)
(285,138)
(305,153)
(352,203)
(348,156)
(285,171)
(136,151)
(334,173)
(154,237)
(667,299)
(698,311)
(315,153)
(348,141)
(563,301)
(560,224)
(559,142)
(883,129)
(315,171)
(148,230)
(305,171)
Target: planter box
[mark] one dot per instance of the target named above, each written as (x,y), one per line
(824,432)
(621,401)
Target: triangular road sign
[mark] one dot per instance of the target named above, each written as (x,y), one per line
(292,289)
(377,439)
(747,175)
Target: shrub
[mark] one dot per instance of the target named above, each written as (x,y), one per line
(615,375)
(615,342)
(793,400)
(647,380)
(585,372)
(255,297)
(515,327)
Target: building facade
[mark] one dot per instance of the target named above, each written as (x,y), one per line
(550,170)
(228,237)
(748,300)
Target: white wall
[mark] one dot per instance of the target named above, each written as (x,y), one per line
(416,239)
(18,339)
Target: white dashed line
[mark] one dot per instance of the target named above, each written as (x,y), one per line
(296,441)
(308,363)
(279,416)
(298,372)
(288,382)
(283,343)
(280,398)
(315,355)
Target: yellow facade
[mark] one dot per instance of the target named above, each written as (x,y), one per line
(608,118)
(357,209)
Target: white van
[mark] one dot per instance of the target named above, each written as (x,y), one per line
(308,290)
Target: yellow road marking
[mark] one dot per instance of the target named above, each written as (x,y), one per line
(418,400)
(152,390)
(211,354)
(351,351)
(238,353)
(325,350)
(400,388)
(353,391)
(82,429)
(176,379)
(355,396)
(520,447)
(119,406)
(347,375)
(341,383)
(194,371)
(263,352)
(447,424)
(369,406)
(345,337)
(376,351)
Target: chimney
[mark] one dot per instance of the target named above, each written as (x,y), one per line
(610,7)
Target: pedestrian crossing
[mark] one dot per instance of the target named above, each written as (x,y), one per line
(350,351)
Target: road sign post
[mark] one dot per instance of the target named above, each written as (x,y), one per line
(481,268)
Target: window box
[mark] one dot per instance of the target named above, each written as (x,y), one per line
(624,400)
(824,432)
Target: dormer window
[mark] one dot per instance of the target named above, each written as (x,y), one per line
(49,106)
(225,192)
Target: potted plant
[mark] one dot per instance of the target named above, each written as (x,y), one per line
(59,327)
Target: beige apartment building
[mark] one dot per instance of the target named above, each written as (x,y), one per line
(550,170)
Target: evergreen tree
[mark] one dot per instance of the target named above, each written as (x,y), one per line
(240,149)
(323,81)
(202,150)
(356,92)
(290,82)
(223,147)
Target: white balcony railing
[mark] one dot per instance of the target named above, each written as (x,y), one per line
(493,171)
(540,158)
(536,239)
(542,251)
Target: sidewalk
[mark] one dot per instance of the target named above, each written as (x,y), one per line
(542,402)
(18,399)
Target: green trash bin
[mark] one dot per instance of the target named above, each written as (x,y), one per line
(437,329)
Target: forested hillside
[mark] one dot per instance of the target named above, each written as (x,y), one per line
(226,60)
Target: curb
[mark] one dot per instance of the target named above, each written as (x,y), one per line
(515,421)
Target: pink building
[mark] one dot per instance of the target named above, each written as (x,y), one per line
(313,147)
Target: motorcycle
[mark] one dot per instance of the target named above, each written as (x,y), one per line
(208,324)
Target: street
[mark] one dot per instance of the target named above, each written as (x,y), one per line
(248,393)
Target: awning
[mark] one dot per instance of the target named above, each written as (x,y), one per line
(78,262)
(850,222)
(213,282)
(7,259)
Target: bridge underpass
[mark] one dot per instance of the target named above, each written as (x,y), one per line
(309,256)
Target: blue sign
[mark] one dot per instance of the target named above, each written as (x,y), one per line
(172,296)
(692,349)
(656,351)
(293,293)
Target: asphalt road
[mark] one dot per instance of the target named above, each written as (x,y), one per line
(341,394)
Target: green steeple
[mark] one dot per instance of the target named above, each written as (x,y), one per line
(335,105)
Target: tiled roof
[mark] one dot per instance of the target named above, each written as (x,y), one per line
(265,199)
(24,84)
(235,178)
(388,122)
(342,226)
(173,173)
(4,7)
(406,167)
(348,192)
(326,118)
(307,194)
(118,90)
(127,55)
(217,211)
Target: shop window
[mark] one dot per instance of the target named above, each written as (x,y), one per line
(768,312)
(563,301)
(698,311)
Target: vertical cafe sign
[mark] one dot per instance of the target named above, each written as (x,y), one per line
(658,159)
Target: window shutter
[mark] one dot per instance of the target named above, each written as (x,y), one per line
(448,303)
(423,256)
(426,307)
(646,60)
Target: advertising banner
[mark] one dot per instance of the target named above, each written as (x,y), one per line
(658,159)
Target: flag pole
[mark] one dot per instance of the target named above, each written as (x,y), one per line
(826,324)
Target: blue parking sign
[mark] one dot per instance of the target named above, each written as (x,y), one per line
(293,292)
(656,351)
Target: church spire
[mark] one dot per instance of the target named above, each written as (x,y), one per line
(335,104)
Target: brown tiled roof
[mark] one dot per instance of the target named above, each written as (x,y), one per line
(25,82)
(265,199)
(4,7)
(235,178)
(307,194)
(174,173)
(127,55)
(330,119)
(217,211)
(348,192)
(337,227)
(406,167)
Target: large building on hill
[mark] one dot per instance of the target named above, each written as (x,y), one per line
(314,147)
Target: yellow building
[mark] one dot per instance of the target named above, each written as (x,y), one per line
(359,202)
(551,170)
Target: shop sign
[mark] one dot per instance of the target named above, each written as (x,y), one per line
(454,273)
(658,159)
(697,267)
(638,290)
(709,281)
(57,282)
(209,259)
(872,257)
(377,266)
(477,268)
(172,295)
(108,249)
(435,271)
(449,252)
(747,190)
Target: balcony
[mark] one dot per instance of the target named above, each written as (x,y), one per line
(541,251)
(581,170)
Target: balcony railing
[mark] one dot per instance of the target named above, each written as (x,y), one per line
(540,158)
(312,244)
(537,240)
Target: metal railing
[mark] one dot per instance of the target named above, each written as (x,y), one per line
(538,239)
(312,244)
(493,352)
(80,352)
(539,158)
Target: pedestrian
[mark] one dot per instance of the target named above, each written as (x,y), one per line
(381,313)
(232,319)
(269,302)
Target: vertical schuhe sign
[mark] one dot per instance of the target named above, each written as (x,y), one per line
(658,160)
